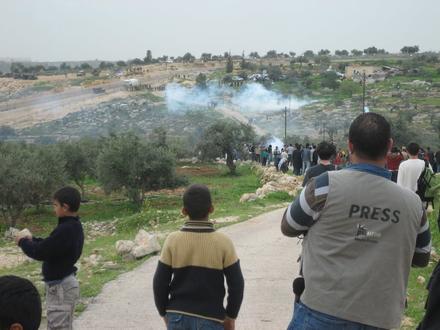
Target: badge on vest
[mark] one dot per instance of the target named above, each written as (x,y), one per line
(363,234)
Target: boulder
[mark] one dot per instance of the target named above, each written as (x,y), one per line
(248,198)
(11,233)
(145,244)
(124,247)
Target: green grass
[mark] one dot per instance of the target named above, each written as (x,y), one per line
(160,213)
(417,292)
(42,86)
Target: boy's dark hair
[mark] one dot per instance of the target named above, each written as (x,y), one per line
(19,303)
(197,201)
(413,149)
(69,196)
(369,133)
(325,150)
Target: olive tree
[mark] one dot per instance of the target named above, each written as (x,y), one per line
(224,137)
(128,164)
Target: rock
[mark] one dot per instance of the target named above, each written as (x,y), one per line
(226,219)
(421,279)
(124,247)
(145,244)
(407,322)
(248,198)
(110,265)
(11,233)
(93,260)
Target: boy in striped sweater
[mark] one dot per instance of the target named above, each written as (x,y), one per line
(189,280)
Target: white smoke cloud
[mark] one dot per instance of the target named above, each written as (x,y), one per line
(251,97)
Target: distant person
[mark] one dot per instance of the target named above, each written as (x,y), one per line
(362,234)
(283,164)
(20,304)
(264,157)
(325,151)
(290,149)
(269,151)
(410,170)
(306,156)
(297,160)
(189,280)
(394,158)
(276,157)
(59,253)
(314,155)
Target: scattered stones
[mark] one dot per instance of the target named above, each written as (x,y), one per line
(226,219)
(98,229)
(93,260)
(124,247)
(110,265)
(407,322)
(11,233)
(273,181)
(144,244)
(12,257)
(421,280)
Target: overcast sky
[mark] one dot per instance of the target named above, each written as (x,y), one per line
(124,29)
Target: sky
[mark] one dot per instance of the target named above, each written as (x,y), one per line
(71,30)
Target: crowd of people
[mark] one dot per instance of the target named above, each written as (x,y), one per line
(361,233)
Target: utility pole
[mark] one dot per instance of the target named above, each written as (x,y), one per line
(285,125)
(363,92)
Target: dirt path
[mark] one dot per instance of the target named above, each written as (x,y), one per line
(268,264)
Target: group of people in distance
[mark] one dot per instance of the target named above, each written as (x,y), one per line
(361,233)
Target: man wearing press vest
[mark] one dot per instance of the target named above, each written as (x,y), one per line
(362,234)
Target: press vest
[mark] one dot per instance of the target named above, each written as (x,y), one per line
(357,256)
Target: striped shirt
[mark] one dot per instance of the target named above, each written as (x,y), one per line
(303,213)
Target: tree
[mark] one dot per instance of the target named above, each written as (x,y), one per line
(329,79)
(370,51)
(188,58)
(254,55)
(322,59)
(309,54)
(356,52)
(6,131)
(85,66)
(201,80)
(292,54)
(271,54)
(343,52)
(121,64)
(410,50)
(28,176)
(136,61)
(324,52)
(229,65)
(225,137)
(205,57)
(128,164)
(79,162)
(64,67)
(148,59)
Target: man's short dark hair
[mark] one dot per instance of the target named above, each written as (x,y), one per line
(197,201)
(19,303)
(69,196)
(369,133)
(413,149)
(325,150)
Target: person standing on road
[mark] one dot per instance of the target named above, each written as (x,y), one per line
(325,152)
(362,234)
(410,170)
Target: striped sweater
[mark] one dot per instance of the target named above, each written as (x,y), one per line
(190,274)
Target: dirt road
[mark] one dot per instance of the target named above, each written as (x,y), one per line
(268,261)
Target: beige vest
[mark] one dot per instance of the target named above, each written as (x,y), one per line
(357,256)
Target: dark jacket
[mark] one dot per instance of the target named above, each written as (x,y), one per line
(60,251)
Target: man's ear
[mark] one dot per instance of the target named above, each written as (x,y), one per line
(65,206)
(184,211)
(211,209)
(350,147)
(16,326)
(390,144)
